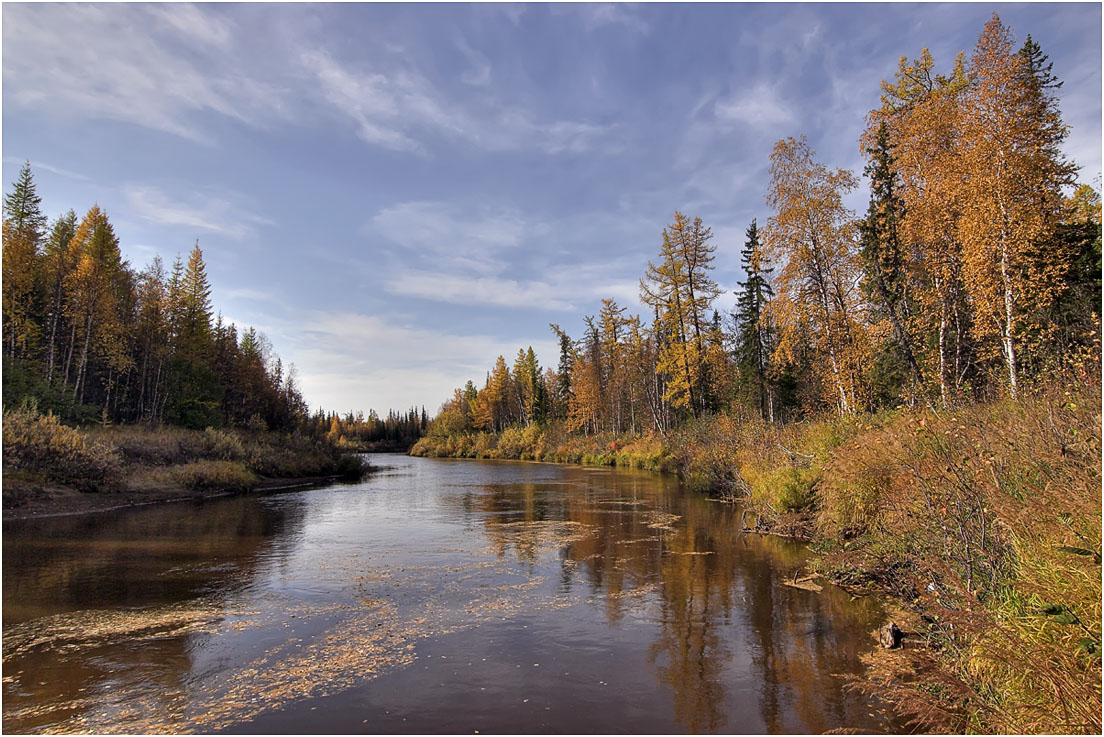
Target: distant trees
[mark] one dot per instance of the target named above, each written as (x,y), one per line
(971,274)
(398,431)
(89,338)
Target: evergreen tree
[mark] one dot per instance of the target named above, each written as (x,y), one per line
(753,339)
(885,268)
(23,207)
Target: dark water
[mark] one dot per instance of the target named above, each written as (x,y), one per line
(437,596)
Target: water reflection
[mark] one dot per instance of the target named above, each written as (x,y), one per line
(340,593)
(721,605)
(92,600)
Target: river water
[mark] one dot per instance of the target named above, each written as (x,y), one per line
(435,596)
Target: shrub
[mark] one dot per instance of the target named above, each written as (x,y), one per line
(40,444)
(206,475)
(222,445)
(352,466)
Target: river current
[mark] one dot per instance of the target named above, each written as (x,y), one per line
(435,596)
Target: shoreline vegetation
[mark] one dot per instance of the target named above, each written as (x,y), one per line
(981,525)
(915,390)
(52,469)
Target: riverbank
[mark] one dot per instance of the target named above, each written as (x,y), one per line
(53,469)
(982,523)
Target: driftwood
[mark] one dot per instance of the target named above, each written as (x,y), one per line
(805,583)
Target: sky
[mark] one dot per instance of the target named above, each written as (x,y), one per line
(396,194)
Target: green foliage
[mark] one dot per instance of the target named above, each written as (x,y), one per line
(786,489)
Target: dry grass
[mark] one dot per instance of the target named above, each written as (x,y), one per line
(40,449)
(40,446)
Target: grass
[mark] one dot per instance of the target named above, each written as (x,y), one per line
(40,449)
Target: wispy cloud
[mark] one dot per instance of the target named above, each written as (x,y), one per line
(480,73)
(760,107)
(484,290)
(400,109)
(112,62)
(597,15)
(43,166)
(448,233)
(209,213)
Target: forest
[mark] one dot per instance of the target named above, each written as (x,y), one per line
(915,391)
(974,274)
(91,340)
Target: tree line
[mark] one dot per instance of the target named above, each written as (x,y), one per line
(91,339)
(972,275)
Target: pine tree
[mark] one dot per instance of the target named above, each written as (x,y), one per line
(22,233)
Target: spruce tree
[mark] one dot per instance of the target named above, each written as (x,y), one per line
(885,275)
(23,207)
(753,343)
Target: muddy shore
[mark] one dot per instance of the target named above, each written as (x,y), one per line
(23,500)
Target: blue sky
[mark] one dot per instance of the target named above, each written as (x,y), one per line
(396,194)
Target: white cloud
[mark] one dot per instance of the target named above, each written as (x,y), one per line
(481,290)
(400,109)
(211,213)
(184,18)
(760,107)
(111,62)
(597,15)
(353,361)
(449,234)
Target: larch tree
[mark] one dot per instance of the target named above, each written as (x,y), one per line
(59,259)
(681,292)
(93,297)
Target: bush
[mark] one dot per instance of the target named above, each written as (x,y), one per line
(352,467)
(41,445)
(222,445)
(787,489)
(206,475)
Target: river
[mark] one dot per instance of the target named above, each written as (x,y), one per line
(434,596)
